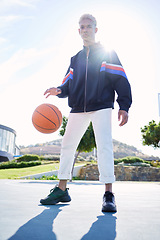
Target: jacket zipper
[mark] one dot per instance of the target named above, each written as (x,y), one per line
(85,93)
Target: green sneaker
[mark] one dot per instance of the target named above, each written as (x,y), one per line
(56,195)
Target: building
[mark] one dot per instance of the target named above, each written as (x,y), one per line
(8,146)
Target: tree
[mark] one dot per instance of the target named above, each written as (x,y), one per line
(87,143)
(151,134)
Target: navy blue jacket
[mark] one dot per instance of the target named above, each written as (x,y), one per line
(91,81)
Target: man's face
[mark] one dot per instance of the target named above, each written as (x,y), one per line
(87,30)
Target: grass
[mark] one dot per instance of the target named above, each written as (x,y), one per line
(15,173)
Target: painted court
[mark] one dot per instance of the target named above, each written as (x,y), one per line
(22,217)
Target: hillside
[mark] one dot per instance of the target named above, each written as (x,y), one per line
(53,148)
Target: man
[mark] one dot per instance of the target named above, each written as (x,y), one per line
(90,84)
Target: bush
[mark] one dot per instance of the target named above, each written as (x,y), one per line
(50,157)
(116,161)
(128,160)
(14,164)
(155,163)
(28,158)
(49,177)
(131,159)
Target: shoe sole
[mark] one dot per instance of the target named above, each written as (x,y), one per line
(55,201)
(109,209)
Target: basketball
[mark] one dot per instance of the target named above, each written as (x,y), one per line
(47,118)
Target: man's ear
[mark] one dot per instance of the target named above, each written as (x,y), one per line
(79,30)
(96,30)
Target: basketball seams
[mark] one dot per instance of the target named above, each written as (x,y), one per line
(55,113)
(49,129)
(46,117)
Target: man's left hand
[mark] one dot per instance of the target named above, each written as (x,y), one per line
(122,117)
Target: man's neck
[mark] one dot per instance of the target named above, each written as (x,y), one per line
(87,44)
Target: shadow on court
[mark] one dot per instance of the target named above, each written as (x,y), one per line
(104,228)
(40,227)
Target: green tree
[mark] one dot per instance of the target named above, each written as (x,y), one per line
(63,126)
(151,134)
(87,143)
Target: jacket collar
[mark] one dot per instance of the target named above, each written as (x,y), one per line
(93,47)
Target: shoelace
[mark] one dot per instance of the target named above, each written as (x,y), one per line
(53,189)
(108,196)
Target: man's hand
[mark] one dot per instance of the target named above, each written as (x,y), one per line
(122,117)
(52,91)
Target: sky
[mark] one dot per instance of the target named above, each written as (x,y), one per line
(37,40)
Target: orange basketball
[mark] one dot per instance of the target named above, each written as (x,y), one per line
(47,118)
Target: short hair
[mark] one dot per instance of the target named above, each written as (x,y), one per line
(88,16)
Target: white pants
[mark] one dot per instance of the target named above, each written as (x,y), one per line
(76,127)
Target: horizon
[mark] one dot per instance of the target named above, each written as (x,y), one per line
(45,144)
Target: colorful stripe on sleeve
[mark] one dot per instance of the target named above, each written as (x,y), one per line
(113,69)
(68,76)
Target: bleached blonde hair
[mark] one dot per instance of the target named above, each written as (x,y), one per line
(88,16)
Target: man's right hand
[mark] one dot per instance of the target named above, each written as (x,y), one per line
(52,91)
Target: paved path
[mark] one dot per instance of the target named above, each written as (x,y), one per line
(23,218)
